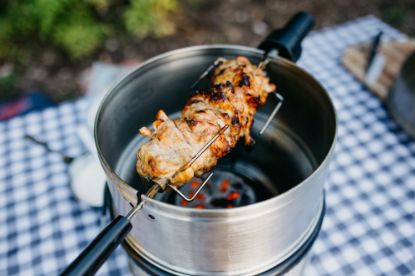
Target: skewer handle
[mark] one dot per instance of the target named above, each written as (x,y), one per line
(98,251)
(287,41)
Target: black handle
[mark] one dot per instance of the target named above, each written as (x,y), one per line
(373,50)
(287,41)
(98,251)
(66,159)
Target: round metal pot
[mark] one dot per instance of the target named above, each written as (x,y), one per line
(292,266)
(291,159)
(401,99)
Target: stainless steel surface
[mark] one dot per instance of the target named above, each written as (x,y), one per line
(401,100)
(296,270)
(293,265)
(290,160)
(223,262)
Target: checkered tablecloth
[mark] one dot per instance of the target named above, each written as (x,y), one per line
(369,228)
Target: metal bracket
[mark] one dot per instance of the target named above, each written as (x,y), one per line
(197,191)
(194,158)
(155,187)
(206,72)
(273,113)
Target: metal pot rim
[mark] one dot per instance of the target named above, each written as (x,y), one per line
(217,213)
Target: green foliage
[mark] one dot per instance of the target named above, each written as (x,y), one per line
(395,15)
(7,84)
(139,22)
(78,27)
(80,34)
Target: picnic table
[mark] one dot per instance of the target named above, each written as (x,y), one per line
(369,226)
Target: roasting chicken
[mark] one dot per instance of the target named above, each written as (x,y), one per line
(237,89)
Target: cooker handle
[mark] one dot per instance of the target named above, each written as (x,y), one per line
(98,251)
(287,41)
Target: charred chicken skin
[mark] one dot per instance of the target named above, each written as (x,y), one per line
(237,89)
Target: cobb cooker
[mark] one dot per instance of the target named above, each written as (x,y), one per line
(282,176)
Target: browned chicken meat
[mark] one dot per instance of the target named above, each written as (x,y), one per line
(237,89)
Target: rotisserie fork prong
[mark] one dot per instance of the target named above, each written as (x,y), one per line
(210,125)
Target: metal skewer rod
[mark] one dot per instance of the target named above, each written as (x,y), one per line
(203,149)
(267,58)
(99,249)
(152,191)
(273,113)
(264,63)
(194,158)
(262,66)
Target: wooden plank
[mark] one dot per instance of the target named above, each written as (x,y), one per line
(395,53)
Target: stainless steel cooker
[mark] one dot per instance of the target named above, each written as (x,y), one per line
(285,170)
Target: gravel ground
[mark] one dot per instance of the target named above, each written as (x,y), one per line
(200,22)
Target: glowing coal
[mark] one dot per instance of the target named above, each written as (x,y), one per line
(224,190)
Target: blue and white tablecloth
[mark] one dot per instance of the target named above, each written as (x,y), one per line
(369,228)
